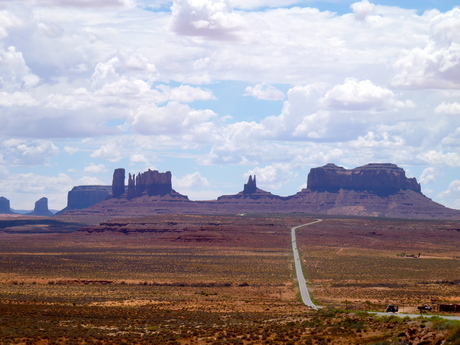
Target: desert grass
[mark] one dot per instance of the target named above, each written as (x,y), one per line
(231,285)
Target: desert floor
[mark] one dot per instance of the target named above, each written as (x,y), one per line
(175,279)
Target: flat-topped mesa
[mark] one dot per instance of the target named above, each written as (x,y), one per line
(378,178)
(5,206)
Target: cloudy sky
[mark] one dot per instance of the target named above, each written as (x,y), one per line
(216,90)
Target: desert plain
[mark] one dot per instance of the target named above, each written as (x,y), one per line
(194,279)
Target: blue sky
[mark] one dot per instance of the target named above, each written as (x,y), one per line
(216,90)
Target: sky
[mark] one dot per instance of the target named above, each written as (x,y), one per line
(215,91)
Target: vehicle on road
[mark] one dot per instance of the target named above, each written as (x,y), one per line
(424,308)
(391,309)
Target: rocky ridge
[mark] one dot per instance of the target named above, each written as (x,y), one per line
(373,190)
(380,179)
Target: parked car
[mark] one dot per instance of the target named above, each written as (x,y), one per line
(391,309)
(424,308)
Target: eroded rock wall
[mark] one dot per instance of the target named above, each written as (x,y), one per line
(381,179)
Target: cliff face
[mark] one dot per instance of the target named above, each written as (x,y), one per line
(118,183)
(81,197)
(380,179)
(373,190)
(41,208)
(151,183)
(5,206)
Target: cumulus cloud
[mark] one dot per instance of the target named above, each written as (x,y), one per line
(28,152)
(190,181)
(361,95)
(213,19)
(265,92)
(448,108)
(14,72)
(111,152)
(173,119)
(429,175)
(437,65)
(138,158)
(433,157)
(273,176)
(362,9)
(452,194)
(95,168)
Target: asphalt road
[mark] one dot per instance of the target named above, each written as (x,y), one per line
(298,268)
(448,317)
(303,284)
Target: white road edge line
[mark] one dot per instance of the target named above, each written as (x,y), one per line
(298,268)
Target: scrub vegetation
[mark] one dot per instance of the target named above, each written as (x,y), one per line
(235,285)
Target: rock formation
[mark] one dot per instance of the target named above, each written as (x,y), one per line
(5,206)
(373,190)
(380,179)
(250,192)
(81,197)
(251,186)
(151,183)
(41,208)
(118,183)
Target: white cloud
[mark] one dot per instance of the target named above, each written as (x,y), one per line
(362,9)
(173,119)
(17,99)
(14,72)
(437,64)
(95,168)
(90,181)
(185,93)
(24,189)
(28,152)
(110,151)
(70,150)
(362,95)
(313,126)
(433,157)
(272,176)
(138,158)
(448,108)
(265,92)
(430,175)
(190,181)
(208,18)
(452,194)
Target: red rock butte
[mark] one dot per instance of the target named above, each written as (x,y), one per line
(372,190)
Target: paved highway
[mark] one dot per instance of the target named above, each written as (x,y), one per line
(303,284)
(298,268)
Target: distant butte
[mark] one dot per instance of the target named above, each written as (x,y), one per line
(41,209)
(372,190)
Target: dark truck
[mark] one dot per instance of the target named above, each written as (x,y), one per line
(391,309)
(424,308)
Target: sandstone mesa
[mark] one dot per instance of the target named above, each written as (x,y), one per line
(372,190)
